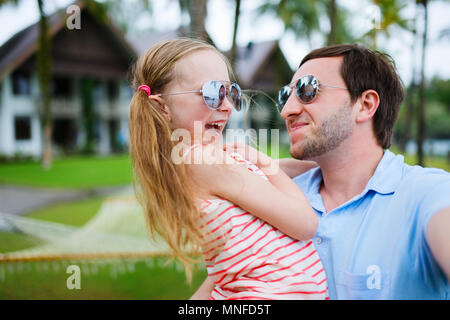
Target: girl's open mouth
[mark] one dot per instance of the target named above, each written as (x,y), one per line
(217,125)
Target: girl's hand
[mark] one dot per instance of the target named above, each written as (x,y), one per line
(260,159)
(213,170)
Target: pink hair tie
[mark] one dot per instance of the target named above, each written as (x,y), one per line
(146,89)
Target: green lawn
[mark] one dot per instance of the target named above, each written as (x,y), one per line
(81,172)
(47,280)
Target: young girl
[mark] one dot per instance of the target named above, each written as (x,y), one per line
(254,229)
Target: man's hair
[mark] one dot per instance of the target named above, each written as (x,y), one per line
(363,69)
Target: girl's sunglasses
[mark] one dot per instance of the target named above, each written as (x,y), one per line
(214,92)
(306,90)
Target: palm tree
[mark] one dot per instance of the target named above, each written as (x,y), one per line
(124,13)
(197,12)
(302,17)
(390,16)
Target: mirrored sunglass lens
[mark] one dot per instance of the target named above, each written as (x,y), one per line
(235,92)
(213,94)
(306,89)
(222,94)
(283,95)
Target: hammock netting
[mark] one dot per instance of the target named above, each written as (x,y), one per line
(116,235)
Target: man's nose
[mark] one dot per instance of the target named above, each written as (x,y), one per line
(292,108)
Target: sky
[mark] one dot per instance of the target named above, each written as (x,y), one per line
(219,25)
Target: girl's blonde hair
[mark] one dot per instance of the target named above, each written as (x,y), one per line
(161,186)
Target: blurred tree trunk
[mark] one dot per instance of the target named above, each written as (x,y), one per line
(410,94)
(197,14)
(421,113)
(87,102)
(44,66)
(237,13)
(332,16)
(409,113)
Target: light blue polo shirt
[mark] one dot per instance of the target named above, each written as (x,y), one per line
(373,246)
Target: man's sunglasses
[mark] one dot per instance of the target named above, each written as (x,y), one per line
(214,92)
(306,90)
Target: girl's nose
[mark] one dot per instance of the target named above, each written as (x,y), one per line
(226,105)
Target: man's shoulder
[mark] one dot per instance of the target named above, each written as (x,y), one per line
(423,190)
(423,178)
(309,180)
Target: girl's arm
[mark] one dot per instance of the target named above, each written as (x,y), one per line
(279,202)
(205,290)
(294,167)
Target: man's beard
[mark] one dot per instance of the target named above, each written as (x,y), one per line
(327,136)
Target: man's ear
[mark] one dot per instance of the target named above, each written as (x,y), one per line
(369,102)
(159,102)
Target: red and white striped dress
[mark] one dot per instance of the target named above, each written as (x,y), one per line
(250,259)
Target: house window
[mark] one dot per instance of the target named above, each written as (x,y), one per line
(22,128)
(98,91)
(113,90)
(21,83)
(62,87)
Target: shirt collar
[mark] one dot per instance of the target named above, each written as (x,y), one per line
(385,179)
(387,175)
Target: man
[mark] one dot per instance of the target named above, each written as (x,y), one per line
(384,226)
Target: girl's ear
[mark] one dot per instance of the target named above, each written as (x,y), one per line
(161,105)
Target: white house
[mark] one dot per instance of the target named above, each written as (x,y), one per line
(96,56)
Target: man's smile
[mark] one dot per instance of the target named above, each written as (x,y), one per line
(297,125)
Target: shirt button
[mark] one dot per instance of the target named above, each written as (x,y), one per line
(318,240)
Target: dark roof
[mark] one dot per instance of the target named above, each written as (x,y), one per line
(249,61)
(24,44)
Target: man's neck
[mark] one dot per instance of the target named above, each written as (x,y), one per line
(346,172)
